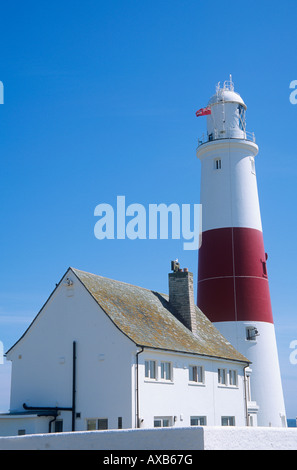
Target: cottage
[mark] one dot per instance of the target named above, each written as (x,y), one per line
(103,354)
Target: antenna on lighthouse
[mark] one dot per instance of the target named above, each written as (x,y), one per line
(228,84)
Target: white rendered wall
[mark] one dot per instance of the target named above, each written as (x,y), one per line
(9,426)
(196,438)
(229,196)
(265,367)
(42,361)
(178,398)
(183,399)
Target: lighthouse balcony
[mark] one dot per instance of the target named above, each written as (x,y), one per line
(226,134)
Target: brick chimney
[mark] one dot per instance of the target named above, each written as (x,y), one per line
(181,296)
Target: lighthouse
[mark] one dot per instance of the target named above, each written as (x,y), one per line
(233,289)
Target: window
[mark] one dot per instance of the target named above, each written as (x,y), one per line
(196,374)
(251,333)
(233,377)
(166,371)
(241,114)
(218,164)
(229,378)
(150,369)
(198,420)
(228,420)
(21,432)
(253,167)
(162,422)
(97,424)
(222,379)
(120,422)
(59,425)
(91,425)
(102,423)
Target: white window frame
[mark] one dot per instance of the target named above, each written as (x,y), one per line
(233,377)
(196,374)
(149,372)
(198,419)
(222,376)
(95,421)
(163,421)
(166,371)
(229,420)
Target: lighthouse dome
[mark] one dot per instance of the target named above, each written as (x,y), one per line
(228,96)
(227,118)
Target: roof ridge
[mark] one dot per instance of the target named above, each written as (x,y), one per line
(115,280)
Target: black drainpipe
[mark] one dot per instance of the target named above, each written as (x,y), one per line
(50,424)
(245,395)
(73,385)
(137,388)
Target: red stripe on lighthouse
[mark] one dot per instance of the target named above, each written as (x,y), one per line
(232,277)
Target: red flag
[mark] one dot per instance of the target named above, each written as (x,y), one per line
(203,111)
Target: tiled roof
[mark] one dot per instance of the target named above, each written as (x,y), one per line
(146,317)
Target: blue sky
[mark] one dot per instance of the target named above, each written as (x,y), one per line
(99,101)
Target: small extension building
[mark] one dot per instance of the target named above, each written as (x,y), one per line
(103,354)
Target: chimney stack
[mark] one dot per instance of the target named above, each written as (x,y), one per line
(181,296)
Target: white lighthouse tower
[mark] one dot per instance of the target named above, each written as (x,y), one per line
(233,289)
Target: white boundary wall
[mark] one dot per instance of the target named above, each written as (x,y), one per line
(196,438)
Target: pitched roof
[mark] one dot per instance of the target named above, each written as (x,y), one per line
(147,318)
